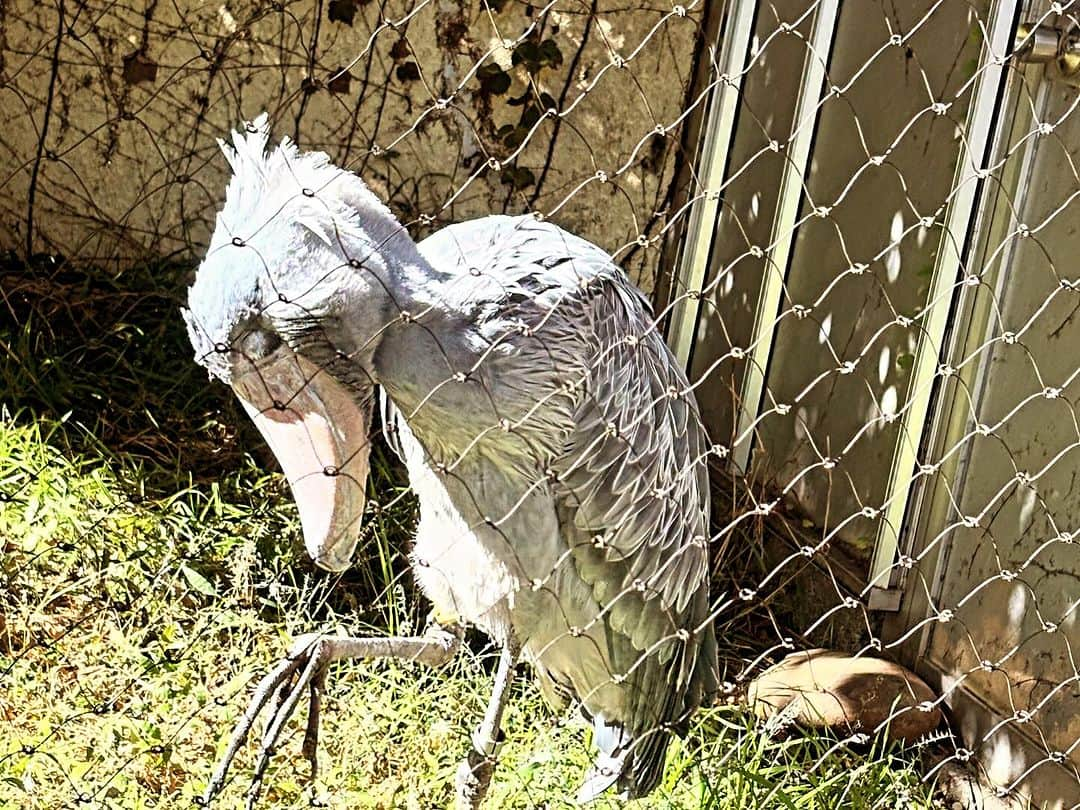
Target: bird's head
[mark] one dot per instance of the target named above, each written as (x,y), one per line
(288,309)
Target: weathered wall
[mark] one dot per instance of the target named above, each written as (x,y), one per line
(1012,571)
(109,113)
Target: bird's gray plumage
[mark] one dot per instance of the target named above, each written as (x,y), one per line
(553,442)
(607,436)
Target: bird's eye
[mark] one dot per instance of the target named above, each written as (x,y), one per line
(258,344)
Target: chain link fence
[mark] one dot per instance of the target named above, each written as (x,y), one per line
(851,223)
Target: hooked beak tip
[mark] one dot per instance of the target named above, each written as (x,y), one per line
(323,432)
(332,563)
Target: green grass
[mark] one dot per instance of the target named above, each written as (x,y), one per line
(151,572)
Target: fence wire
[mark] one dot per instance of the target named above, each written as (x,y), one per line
(870,447)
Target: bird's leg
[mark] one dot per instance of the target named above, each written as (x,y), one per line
(304,670)
(475,771)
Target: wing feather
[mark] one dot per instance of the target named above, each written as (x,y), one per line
(630,484)
(633,484)
(635,464)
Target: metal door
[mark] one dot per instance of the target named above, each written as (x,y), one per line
(999,532)
(879,303)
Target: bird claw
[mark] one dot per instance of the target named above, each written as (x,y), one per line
(302,669)
(473,779)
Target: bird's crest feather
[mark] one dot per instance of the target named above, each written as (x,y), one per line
(283,183)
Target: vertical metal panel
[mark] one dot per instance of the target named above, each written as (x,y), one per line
(719,132)
(932,504)
(1000,616)
(982,122)
(783,232)
(930,510)
(766,114)
(1004,568)
(840,362)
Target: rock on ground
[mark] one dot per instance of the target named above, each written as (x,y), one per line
(830,689)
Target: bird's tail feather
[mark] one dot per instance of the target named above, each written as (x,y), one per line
(635,765)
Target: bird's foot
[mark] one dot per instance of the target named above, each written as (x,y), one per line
(302,670)
(474,777)
(475,771)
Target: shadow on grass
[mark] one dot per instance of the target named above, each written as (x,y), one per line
(111,353)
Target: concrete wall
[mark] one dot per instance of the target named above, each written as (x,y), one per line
(109,112)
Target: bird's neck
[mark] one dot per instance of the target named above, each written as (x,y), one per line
(429,343)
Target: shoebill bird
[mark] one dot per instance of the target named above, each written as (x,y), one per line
(553,442)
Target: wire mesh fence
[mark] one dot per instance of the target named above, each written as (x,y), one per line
(850,222)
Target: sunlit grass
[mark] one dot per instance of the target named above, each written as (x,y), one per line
(151,572)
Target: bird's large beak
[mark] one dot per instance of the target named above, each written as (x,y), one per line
(319,434)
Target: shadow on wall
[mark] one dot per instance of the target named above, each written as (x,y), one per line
(447,111)
(111,356)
